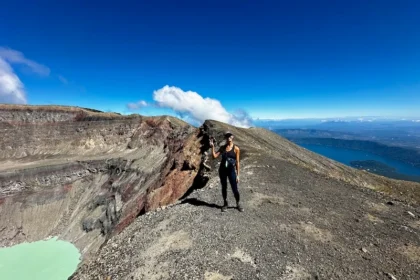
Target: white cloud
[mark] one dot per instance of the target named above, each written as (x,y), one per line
(193,106)
(11,87)
(63,80)
(137,105)
(15,57)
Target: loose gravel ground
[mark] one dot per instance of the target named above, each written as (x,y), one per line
(296,225)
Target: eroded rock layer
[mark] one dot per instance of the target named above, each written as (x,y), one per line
(85,175)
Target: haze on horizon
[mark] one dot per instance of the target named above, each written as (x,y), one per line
(232,61)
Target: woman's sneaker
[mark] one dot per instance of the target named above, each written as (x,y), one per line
(224,208)
(240,208)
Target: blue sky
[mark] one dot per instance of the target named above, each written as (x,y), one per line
(272,59)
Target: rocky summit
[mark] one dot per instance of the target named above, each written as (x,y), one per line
(140,197)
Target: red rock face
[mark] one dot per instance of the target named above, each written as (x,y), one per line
(176,185)
(132,212)
(179,180)
(176,175)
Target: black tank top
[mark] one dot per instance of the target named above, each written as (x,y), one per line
(227,155)
(231,153)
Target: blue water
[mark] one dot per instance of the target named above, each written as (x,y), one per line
(345,156)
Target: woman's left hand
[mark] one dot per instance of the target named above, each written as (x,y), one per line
(237,179)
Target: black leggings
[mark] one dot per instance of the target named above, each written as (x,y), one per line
(230,173)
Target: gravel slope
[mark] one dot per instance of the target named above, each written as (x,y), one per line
(296,225)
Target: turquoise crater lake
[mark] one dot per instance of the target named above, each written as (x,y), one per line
(50,259)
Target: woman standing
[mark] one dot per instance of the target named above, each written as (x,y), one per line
(229,169)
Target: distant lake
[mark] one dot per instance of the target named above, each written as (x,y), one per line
(345,156)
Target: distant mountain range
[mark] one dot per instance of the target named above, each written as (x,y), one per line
(403,132)
(336,122)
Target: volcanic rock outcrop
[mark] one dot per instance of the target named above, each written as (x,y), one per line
(85,175)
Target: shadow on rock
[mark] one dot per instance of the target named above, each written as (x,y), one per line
(197,202)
